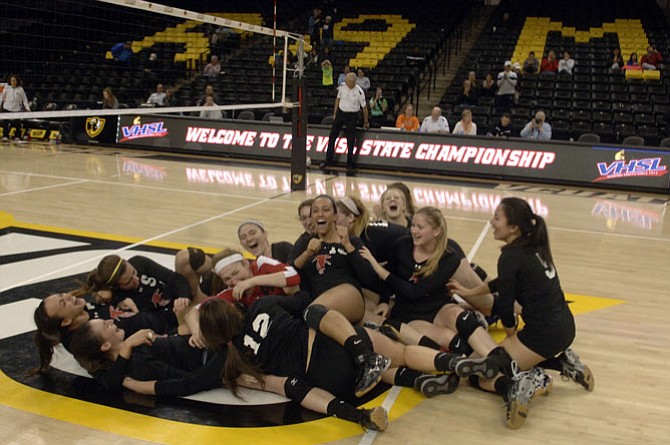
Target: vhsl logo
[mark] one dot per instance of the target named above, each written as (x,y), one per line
(139,130)
(634,167)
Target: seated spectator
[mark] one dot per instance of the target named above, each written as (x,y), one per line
(170,100)
(326,73)
(566,64)
(632,63)
(407,121)
(652,59)
(362,80)
(109,100)
(531,65)
(615,61)
(341,78)
(465,125)
(210,114)
(122,53)
(504,127)
(435,123)
(209,91)
(506,87)
(378,109)
(158,97)
(537,128)
(468,96)
(488,87)
(472,77)
(416,58)
(213,68)
(313,59)
(549,64)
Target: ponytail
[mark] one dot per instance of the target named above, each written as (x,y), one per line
(49,333)
(85,347)
(533,228)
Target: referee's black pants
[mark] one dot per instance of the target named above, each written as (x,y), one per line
(348,120)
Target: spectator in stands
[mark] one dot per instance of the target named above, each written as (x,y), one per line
(122,53)
(109,100)
(157,98)
(14,100)
(378,109)
(407,121)
(327,54)
(504,127)
(151,70)
(213,68)
(549,63)
(615,62)
(468,96)
(362,80)
(416,58)
(342,77)
(170,100)
(472,77)
(488,87)
(506,87)
(652,59)
(435,123)
(632,63)
(327,32)
(465,126)
(210,114)
(313,60)
(537,128)
(531,65)
(326,73)
(314,27)
(566,64)
(209,91)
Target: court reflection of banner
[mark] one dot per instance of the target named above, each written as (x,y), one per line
(616,212)
(424,195)
(142,169)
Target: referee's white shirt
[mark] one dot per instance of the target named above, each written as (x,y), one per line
(12,99)
(351,99)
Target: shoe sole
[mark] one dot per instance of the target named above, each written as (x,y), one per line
(548,389)
(379,418)
(517,413)
(585,379)
(479,366)
(361,392)
(432,388)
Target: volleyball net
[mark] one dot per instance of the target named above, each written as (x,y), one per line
(66,52)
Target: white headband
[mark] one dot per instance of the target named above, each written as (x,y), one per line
(223,262)
(351,205)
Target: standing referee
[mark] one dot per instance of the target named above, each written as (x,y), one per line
(350,100)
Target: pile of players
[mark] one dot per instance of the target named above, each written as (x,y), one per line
(356,300)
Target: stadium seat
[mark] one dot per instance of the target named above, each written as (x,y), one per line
(633,141)
(589,137)
(665,142)
(246,115)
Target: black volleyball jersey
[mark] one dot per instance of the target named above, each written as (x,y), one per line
(525,277)
(379,237)
(158,288)
(333,266)
(412,289)
(274,339)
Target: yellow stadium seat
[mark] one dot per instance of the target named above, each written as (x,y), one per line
(651,75)
(634,74)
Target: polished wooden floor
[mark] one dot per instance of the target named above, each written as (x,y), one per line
(613,247)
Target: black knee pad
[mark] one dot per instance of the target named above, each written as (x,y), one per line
(295,389)
(466,323)
(460,345)
(196,257)
(313,315)
(481,273)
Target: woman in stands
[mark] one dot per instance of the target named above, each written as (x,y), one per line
(109,100)
(254,238)
(633,63)
(527,274)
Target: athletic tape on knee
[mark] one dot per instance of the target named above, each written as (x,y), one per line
(313,315)
(466,323)
(296,390)
(196,257)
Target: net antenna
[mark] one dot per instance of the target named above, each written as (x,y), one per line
(204,18)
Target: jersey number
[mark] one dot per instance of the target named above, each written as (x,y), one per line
(260,326)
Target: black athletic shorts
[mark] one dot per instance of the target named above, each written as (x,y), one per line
(332,368)
(549,340)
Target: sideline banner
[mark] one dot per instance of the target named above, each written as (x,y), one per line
(482,157)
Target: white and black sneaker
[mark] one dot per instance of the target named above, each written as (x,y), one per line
(575,370)
(525,386)
(371,373)
(431,385)
(375,419)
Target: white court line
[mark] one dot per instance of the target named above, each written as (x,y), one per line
(130,246)
(479,241)
(390,399)
(46,187)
